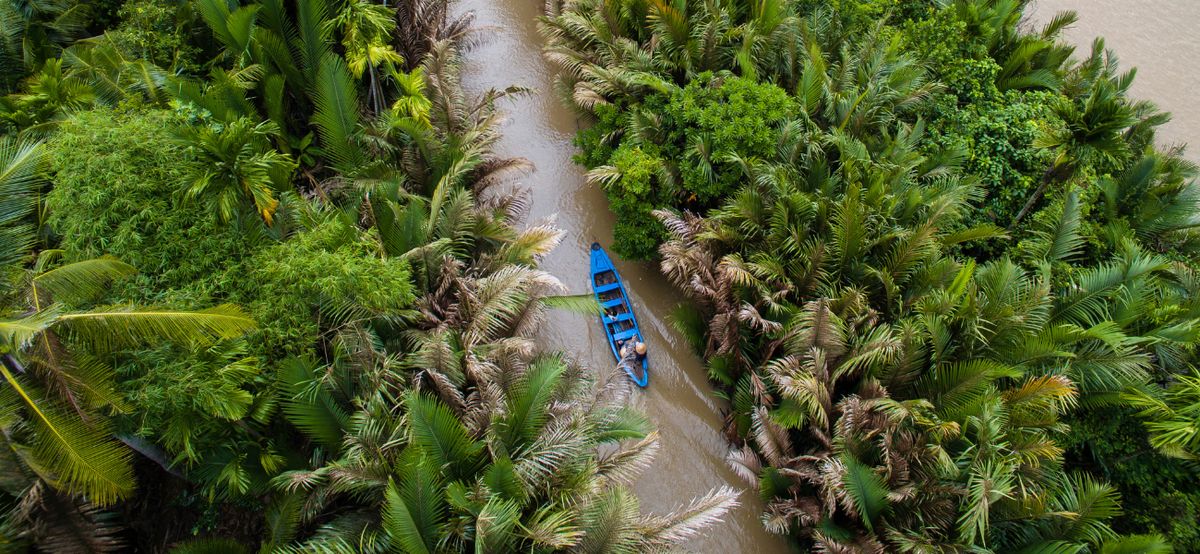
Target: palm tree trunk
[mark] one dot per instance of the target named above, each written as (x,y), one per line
(13,363)
(151,452)
(1056,173)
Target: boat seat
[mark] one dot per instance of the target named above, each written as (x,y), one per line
(624,334)
(618,318)
(613,303)
(608,287)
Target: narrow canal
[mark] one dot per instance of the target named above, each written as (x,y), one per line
(690,461)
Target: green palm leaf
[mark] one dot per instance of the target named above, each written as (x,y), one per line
(495,525)
(414,505)
(865,491)
(19,334)
(80,281)
(21,175)
(336,116)
(309,406)
(83,458)
(583,304)
(528,401)
(441,436)
(108,329)
(1091,503)
(1061,240)
(1137,544)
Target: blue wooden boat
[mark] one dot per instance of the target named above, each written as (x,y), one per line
(616,313)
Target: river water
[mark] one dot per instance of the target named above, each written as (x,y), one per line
(691,458)
(1159,38)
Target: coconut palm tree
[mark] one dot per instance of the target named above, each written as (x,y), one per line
(1095,123)
(433,480)
(55,369)
(53,348)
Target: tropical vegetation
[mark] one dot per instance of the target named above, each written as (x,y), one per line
(260,291)
(946,284)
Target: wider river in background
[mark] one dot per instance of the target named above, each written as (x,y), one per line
(1159,38)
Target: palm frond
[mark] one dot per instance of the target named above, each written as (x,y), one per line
(309,406)
(865,493)
(440,435)
(83,458)
(414,507)
(336,115)
(106,330)
(81,281)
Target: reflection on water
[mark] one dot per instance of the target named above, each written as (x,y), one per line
(1159,38)
(690,461)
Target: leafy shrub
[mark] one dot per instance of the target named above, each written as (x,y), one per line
(999,140)
(331,267)
(157,31)
(691,159)
(118,180)
(116,191)
(633,197)
(714,119)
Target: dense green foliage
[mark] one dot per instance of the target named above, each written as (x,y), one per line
(949,243)
(706,128)
(257,295)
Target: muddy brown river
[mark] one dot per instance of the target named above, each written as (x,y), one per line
(1159,38)
(691,458)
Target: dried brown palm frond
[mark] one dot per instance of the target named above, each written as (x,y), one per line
(663,532)
(772,439)
(510,205)
(623,465)
(496,171)
(62,523)
(745,463)
(420,24)
(528,247)
(825,544)
(782,515)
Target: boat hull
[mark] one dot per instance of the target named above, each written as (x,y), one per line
(616,314)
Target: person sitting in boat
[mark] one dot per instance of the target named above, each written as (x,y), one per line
(633,349)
